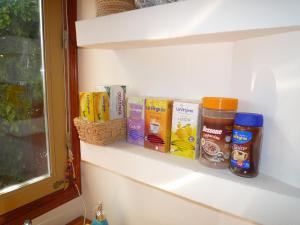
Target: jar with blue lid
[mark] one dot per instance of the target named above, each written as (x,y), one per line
(246,144)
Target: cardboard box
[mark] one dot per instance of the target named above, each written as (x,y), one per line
(185,135)
(136,120)
(101,106)
(158,118)
(86,105)
(117,95)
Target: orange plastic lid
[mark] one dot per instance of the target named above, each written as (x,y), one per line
(220,103)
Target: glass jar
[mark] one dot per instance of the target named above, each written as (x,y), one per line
(217,123)
(246,144)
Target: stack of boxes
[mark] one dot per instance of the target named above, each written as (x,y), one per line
(164,125)
(160,124)
(107,103)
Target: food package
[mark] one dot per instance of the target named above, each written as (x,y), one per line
(158,117)
(185,129)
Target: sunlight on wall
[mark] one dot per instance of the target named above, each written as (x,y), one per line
(173,185)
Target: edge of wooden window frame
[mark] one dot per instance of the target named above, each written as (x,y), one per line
(51,201)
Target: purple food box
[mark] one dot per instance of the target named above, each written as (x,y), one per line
(136,120)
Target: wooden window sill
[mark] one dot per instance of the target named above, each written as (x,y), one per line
(78,221)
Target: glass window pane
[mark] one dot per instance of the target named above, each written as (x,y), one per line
(23,136)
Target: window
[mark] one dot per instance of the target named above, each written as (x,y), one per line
(23,124)
(33,121)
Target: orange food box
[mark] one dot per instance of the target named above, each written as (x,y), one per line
(158,120)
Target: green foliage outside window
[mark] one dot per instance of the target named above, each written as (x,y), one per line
(21,86)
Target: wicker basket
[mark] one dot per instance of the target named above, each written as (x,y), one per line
(106,7)
(101,133)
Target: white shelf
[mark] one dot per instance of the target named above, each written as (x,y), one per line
(269,67)
(261,199)
(189,22)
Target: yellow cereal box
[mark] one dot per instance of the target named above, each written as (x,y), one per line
(86,106)
(158,117)
(101,106)
(185,129)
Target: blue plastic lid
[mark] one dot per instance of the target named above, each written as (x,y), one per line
(249,119)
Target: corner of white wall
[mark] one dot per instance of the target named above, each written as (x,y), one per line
(62,214)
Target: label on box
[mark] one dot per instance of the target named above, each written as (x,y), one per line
(241,149)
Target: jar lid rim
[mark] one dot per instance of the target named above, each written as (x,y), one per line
(249,119)
(220,103)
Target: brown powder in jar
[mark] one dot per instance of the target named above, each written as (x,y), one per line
(246,144)
(217,121)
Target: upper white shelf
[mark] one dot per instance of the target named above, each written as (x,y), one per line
(261,199)
(189,22)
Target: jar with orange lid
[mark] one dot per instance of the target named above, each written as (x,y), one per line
(217,122)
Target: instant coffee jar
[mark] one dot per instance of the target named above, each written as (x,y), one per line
(246,144)
(217,122)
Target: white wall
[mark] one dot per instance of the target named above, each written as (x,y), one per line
(127,202)
(266,79)
(61,215)
(178,72)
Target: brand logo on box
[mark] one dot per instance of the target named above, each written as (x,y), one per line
(241,137)
(156,109)
(212,131)
(184,110)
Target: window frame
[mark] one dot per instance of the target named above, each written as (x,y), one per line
(55,199)
(55,114)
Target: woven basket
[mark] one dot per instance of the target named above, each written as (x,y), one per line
(106,7)
(101,133)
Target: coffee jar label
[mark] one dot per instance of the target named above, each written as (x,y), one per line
(216,140)
(241,149)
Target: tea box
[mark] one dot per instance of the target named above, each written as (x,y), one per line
(101,106)
(116,94)
(136,120)
(86,106)
(185,129)
(158,118)
(94,106)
